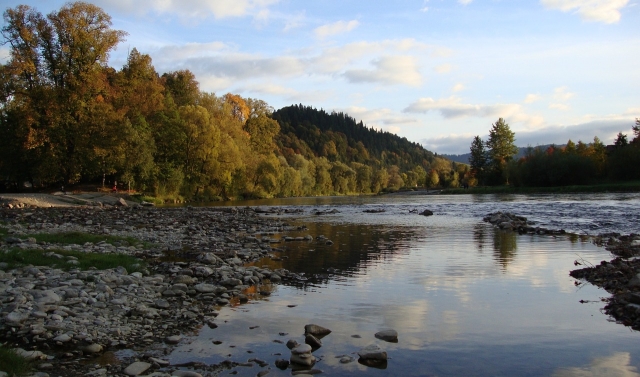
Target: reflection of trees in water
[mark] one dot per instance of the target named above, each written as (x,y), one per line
(504,246)
(355,247)
(504,243)
(479,235)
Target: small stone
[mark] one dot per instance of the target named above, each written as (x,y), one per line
(93,348)
(173,339)
(136,368)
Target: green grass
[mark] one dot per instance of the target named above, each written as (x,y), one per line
(13,364)
(80,238)
(631,186)
(17,258)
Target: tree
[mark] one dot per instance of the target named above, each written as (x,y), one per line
(60,92)
(621,140)
(501,149)
(478,158)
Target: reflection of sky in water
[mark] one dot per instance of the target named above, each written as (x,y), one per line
(465,299)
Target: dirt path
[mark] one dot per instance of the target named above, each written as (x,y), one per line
(57,199)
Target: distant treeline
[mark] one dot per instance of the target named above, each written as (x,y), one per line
(67,118)
(572,164)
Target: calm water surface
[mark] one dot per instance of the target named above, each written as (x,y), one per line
(466,299)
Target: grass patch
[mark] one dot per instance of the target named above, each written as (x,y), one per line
(17,258)
(80,238)
(12,363)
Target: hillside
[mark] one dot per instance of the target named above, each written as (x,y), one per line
(338,137)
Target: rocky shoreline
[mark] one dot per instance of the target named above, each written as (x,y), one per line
(66,320)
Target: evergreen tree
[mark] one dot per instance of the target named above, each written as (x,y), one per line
(501,149)
(478,158)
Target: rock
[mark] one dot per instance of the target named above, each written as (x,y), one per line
(316,330)
(304,361)
(136,368)
(388,336)
(292,343)
(301,349)
(121,203)
(282,364)
(30,355)
(160,362)
(301,355)
(426,212)
(635,281)
(314,342)
(174,339)
(372,352)
(63,338)
(93,348)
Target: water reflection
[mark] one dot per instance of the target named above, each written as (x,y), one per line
(504,246)
(465,298)
(616,365)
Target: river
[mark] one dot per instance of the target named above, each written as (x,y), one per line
(465,298)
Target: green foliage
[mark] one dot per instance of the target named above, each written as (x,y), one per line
(13,364)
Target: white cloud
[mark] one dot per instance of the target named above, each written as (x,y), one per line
(443,68)
(531,98)
(452,107)
(562,94)
(465,2)
(373,117)
(458,88)
(607,11)
(388,70)
(559,106)
(190,9)
(338,27)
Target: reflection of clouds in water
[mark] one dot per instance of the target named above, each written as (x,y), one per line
(616,365)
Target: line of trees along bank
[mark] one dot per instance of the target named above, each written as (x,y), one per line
(66,117)
(574,164)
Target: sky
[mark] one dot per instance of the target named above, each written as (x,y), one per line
(437,72)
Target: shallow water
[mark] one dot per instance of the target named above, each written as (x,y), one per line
(466,299)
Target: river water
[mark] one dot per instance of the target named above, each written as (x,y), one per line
(465,298)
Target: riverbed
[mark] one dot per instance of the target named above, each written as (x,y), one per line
(465,298)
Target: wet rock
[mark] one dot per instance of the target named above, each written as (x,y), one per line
(292,343)
(316,330)
(372,352)
(388,336)
(314,342)
(282,364)
(426,212)
(301,355)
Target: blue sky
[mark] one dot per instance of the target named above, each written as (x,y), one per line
(437,72)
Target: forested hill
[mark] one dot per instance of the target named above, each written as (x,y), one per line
(316,133)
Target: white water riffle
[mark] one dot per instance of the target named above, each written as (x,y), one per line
(465,298)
